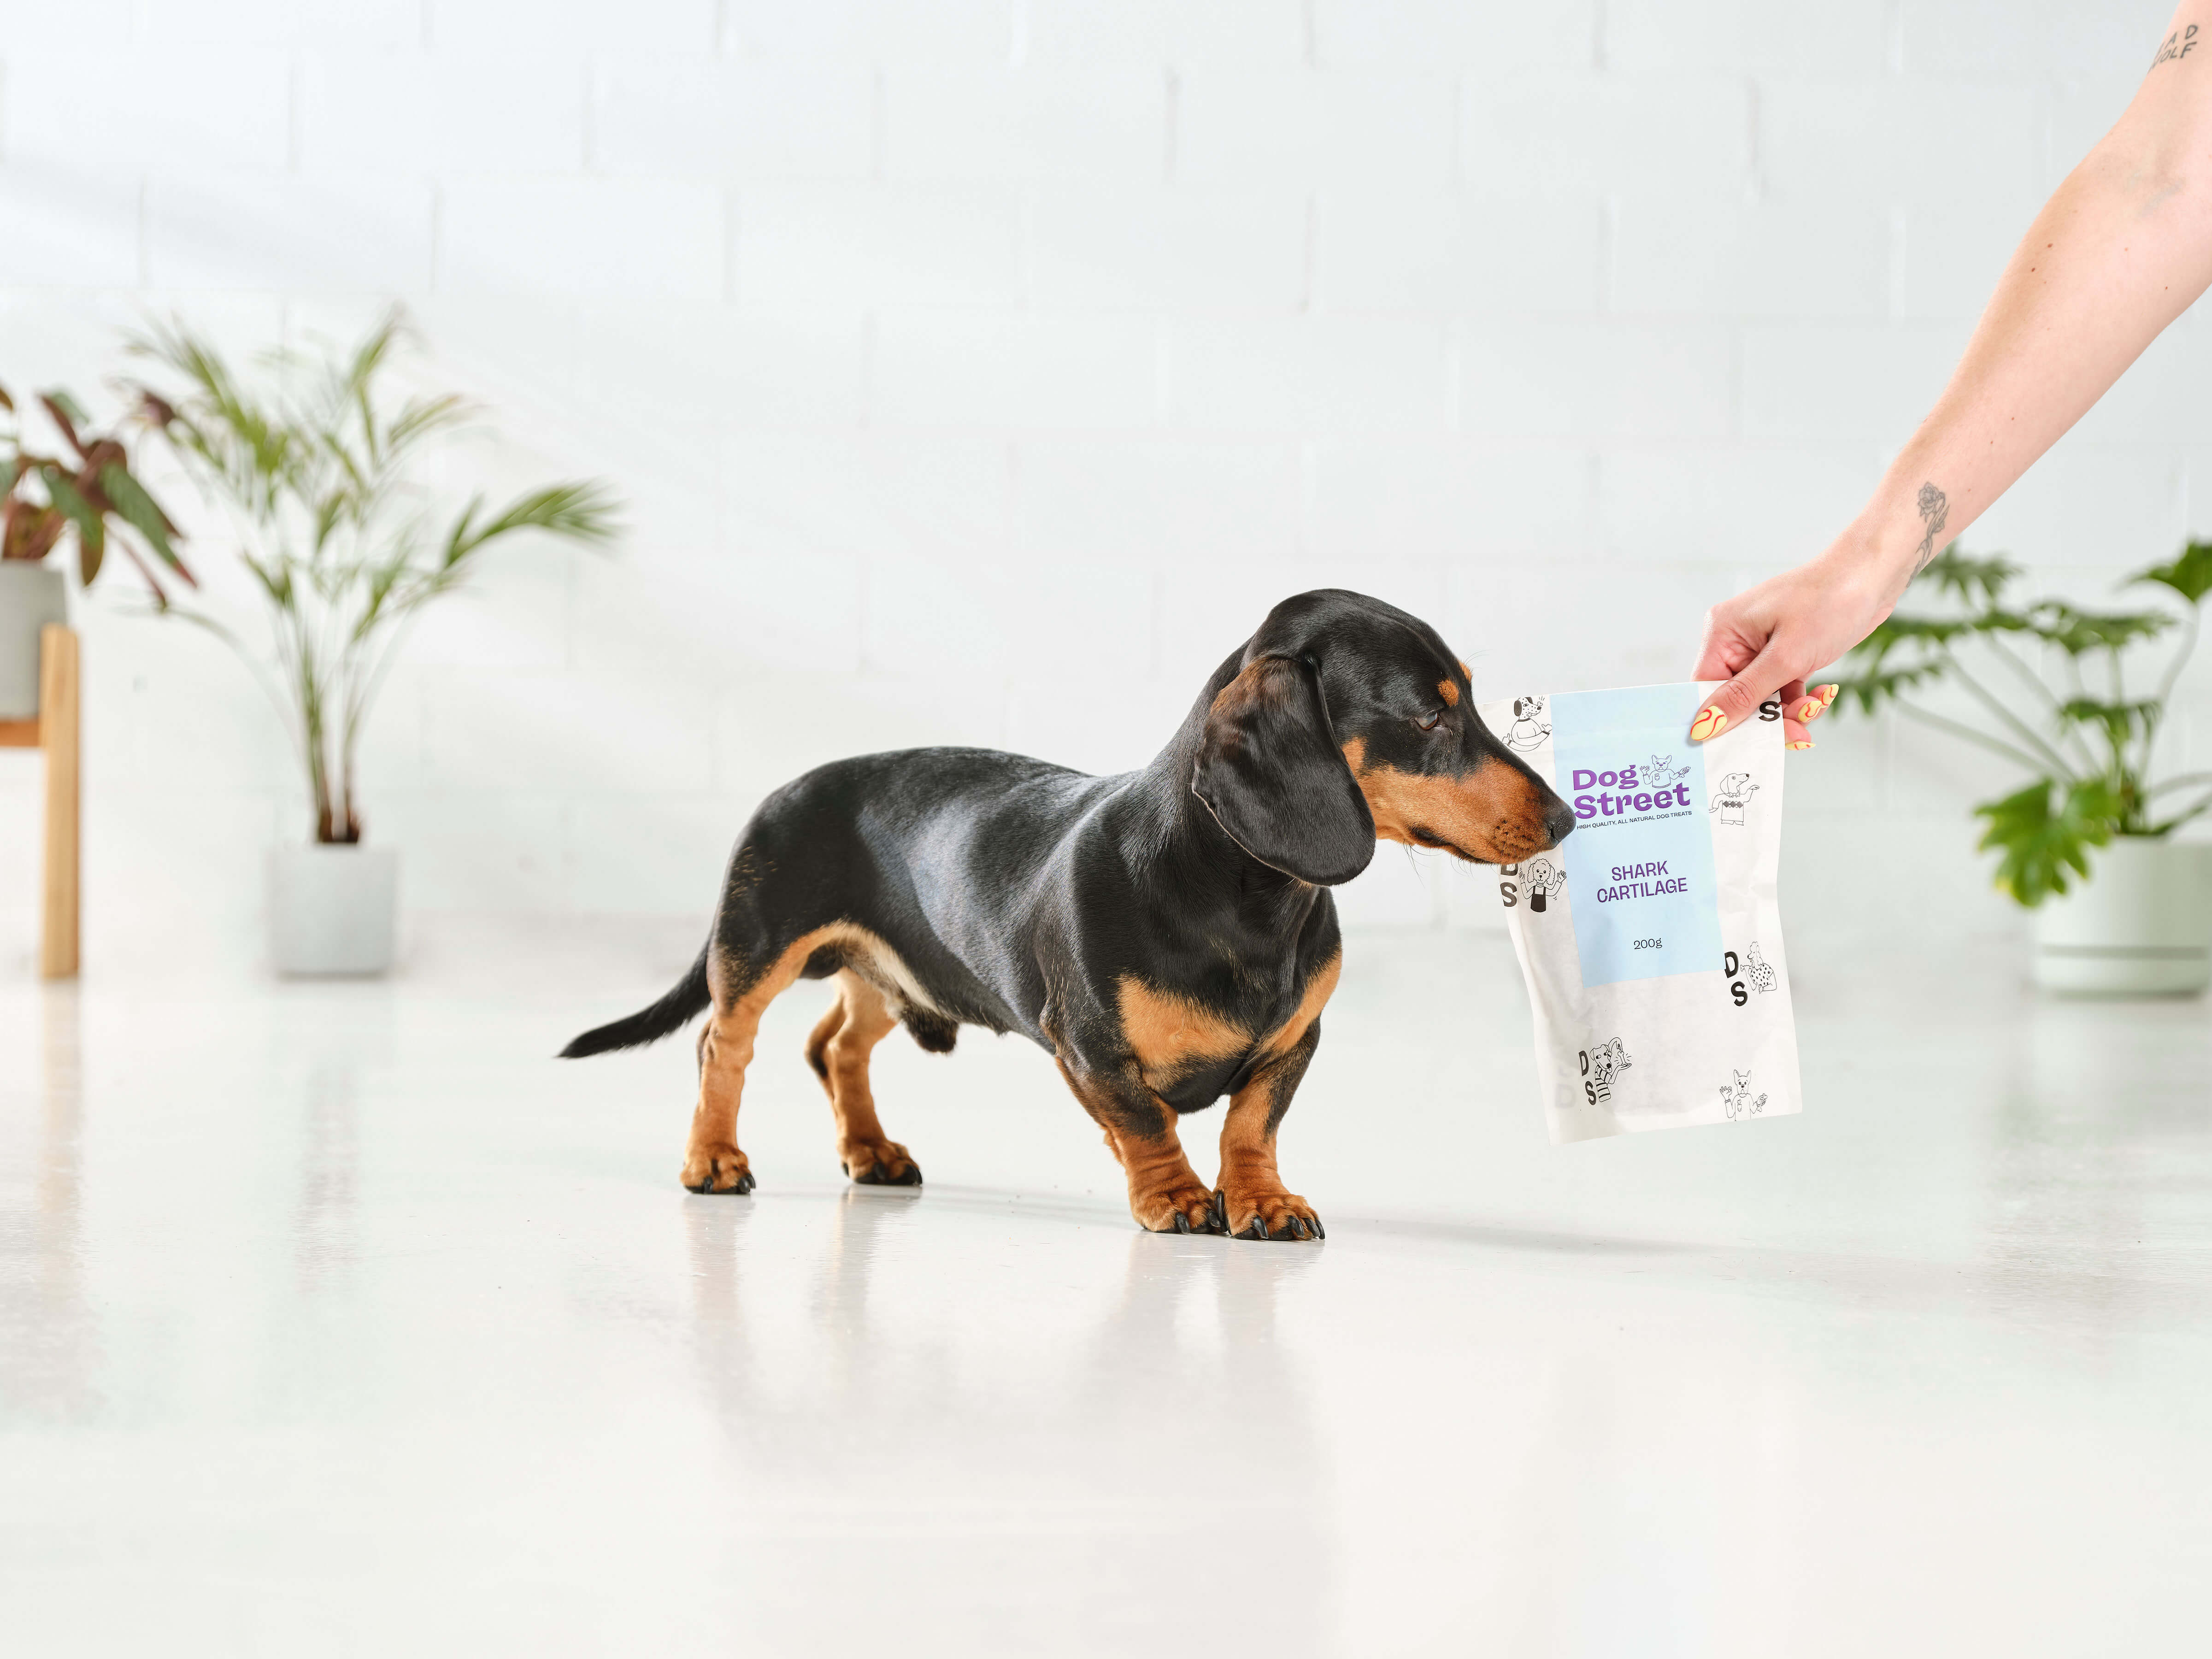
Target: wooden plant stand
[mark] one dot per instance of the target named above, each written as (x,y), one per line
(56,730)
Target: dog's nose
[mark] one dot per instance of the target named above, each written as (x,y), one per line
(1559,820)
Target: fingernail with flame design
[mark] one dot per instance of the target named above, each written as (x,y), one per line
(1709,723)
(1801,743)
(1808,711)
(1826,692)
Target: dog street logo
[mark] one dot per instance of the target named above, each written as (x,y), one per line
(1601,1066)
(1752,967)
(1636,795)
(1530,729)
(1543,881)
(1734,1097)
(1733,796)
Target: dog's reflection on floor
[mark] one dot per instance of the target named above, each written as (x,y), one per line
(1096,1466)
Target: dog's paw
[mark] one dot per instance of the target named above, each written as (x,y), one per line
(1278,1217)
(717,1170)
(878,1163)
(1183,1209)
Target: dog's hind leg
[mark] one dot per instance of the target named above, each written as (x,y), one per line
(839,1051)
(712,1162)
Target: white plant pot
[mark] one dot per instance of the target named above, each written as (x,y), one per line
(31,596)
(2142,924)
(330,909)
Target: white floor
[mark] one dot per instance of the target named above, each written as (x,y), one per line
(341,1320)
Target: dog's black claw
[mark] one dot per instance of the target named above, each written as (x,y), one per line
(1220,1212)
(912,1177)
(844,1168)
(1260,1227)
(1298,1222)
(1183,1222)
(1319,1232)
(745,1181)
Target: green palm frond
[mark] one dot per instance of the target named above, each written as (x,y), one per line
(315,460)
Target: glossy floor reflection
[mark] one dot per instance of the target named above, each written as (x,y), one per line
(340,1320)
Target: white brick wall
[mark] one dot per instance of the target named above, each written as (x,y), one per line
(939,347)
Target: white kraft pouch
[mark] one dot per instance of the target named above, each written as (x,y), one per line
(1649,937)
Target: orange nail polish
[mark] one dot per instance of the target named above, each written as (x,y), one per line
(1709,723)
(1801,743)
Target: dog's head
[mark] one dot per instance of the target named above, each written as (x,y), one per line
(1345,720)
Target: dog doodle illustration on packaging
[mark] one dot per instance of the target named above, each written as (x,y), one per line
(1601,1066)
(1734,794)
(1756,969)
(1544,879)
(1530,728)
(1735,1101)
(1664,772)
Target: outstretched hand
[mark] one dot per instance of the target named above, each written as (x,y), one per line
(1767,639)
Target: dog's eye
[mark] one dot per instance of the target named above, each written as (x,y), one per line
(1429,723)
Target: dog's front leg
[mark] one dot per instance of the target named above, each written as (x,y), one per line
(1165,1195)
(1254,1204)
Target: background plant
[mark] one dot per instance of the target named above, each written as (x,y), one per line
(2089,741)
(91,495)
(318,465)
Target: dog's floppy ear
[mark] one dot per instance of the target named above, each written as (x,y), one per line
(1270,772)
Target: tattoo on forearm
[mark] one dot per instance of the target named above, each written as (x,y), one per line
(1934,508)
(2176,46)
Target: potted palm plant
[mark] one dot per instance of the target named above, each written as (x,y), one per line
(317,463)
(78,489)
(2121,903)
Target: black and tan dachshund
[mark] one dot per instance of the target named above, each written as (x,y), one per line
(1167,935)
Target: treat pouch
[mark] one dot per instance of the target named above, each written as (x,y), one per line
(1651,938)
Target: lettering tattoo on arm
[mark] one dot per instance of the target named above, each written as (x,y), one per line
(1935,508)
(2175,47)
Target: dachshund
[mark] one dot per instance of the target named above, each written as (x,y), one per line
(1167,935)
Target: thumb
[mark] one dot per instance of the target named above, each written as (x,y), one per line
(1738,700)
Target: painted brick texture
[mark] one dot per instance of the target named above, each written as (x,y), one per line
(981,371)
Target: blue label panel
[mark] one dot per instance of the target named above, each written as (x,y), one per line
(1640,862)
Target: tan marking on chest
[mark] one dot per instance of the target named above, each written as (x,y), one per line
(1168,1033)
(1318,990)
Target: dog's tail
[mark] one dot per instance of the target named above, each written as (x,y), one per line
(648,1025)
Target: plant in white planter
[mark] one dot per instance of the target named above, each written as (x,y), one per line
(82,492)
(318,466)
(2121,904)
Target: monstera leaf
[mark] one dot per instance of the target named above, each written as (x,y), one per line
(2189,574)
(2044,831)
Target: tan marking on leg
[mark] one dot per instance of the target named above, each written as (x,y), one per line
(864,1019)
(1170,1033)
(712,1163)
(1252,1190)
(817,1041)
(1161,1184)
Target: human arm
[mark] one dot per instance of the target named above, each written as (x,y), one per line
(2121,248)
